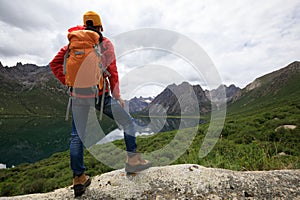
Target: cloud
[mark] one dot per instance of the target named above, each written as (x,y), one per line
(28,15)
(244,39)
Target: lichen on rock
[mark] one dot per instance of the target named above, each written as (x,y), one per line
(186,181)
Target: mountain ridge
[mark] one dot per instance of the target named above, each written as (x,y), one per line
(274,86)
(30,79)
(179,99)
(33,80)
(30,90)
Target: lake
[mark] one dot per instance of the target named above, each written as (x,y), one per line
(28,140)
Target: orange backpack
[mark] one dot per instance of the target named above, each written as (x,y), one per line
(82,65)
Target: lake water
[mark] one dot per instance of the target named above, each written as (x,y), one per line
(147,126)
(28,140)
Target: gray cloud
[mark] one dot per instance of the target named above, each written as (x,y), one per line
(35,15)
(24,16)
(245,39)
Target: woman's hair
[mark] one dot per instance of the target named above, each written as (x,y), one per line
(89,23)
(90,26)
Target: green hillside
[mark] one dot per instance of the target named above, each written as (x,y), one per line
(28,90)
(34,101)
(272,90)
(251,139)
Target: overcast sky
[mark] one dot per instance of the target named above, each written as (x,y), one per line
(244,39)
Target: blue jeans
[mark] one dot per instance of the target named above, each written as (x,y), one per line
(80,110)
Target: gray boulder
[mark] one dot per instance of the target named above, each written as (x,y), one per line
(186,181)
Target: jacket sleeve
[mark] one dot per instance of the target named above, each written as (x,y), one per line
(109,61)
(57,65)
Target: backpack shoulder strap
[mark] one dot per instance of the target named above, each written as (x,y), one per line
(65,59)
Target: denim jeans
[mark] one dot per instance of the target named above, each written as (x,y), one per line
(80,110)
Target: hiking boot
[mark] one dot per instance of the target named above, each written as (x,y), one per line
(80,183)
(136,163)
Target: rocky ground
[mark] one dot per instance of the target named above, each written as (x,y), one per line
(186,181)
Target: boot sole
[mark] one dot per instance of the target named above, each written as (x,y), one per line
(80,189)
(136,168)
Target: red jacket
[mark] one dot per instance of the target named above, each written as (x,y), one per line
(108,60)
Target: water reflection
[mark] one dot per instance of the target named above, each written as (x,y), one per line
(147,126)
(27,140)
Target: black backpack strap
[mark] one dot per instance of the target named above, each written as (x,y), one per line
(65,59)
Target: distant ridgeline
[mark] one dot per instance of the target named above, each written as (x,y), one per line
(32,90)
(271,89)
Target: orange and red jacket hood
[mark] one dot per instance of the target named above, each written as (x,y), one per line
(108,60)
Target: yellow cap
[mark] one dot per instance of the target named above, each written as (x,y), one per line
(91,15)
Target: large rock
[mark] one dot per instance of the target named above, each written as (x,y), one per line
(186,182)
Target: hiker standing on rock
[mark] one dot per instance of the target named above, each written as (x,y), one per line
(78,59)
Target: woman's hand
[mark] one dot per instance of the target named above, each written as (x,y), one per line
(121,101)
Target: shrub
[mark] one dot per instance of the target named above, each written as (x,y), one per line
(34,186)
(6,189)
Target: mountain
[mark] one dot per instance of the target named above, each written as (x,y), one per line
(179,99)
(230,92)
(33,90)
(136,105)
(30,90)
(281,86)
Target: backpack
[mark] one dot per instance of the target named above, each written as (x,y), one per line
(83,59)
(82,65)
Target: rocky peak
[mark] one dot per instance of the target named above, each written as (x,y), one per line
(218,94)
(180,99)
(24,72)
(27,76)
(136,105)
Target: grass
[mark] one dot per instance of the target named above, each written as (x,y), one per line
(249,142)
